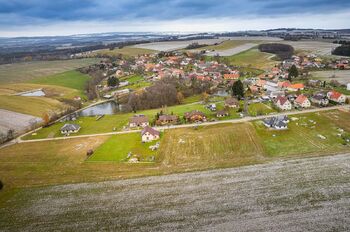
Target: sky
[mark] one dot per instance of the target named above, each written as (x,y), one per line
(67,17)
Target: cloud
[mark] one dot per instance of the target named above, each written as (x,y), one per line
(120,13)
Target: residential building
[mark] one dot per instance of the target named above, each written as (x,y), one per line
(195,116)
(278,123)
(70,128)
(320,99)
(221,113)
(167,119)
(231,102)
(283,103)
(302,101)
(138,121)
(336,97)
(148,134)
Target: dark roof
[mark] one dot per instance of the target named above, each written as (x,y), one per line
(70,127)
(138,119)
(149,130)
(222,112)
(167,117)
(282,100)
(193,113)
(231,101)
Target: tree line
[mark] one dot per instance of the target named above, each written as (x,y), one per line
(283,51)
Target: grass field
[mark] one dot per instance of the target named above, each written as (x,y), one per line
(71,79)
(117,147)
(185,149)
(35,106)
(252,58)
(26,72)
(302,137)
(256,109)
(132,78)
(125,51)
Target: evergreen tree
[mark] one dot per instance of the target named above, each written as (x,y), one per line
(112,81)
(238,89)
(293,72)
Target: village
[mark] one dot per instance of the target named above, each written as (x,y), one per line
(230,93)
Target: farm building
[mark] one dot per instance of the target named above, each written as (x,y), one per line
(195,116)
(138,121)
(70,128)
(148,134)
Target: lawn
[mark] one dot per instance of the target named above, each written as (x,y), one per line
(256,109)
(35,106)
(302,135)
(132,78)
(192,99)
(28,71)
(71,79)
(117,147)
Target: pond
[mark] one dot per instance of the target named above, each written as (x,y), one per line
(34,93)
(221,93)
(109,107)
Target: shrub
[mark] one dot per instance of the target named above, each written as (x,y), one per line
(1,185)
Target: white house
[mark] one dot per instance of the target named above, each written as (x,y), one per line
(336,97)
(148,134)
(283,103)
(70,128)
(302,101)
(348,86)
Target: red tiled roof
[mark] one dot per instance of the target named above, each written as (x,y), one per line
(300,99)
(281,100)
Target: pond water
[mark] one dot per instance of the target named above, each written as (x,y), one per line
(36,93)
(104,108)
(221,93)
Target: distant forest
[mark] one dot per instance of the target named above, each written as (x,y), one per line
(343,50)
(283,51)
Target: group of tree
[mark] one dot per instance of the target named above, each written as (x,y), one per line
(195,45)
(343,50)
(283,51)
(166,92)
(7,136)
(96,74)
(346,42)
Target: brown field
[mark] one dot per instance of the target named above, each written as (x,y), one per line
(295,195)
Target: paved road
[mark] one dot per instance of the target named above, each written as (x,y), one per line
(311,194)
(245,119)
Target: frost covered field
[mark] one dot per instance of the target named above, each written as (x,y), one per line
(293,195)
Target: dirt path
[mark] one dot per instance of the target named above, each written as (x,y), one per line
(295,195)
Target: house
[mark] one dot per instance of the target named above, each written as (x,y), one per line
(148,134)
(336,97)
(212,107)
(167,119)
(70,128)
(221,113)
(348,86)
(195,116)
(284,84)
(283,103)
(232,76)
(296,87)
(231,102)
(320,99)
(302,101)
(278,123)
(275,94)
(138,121)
